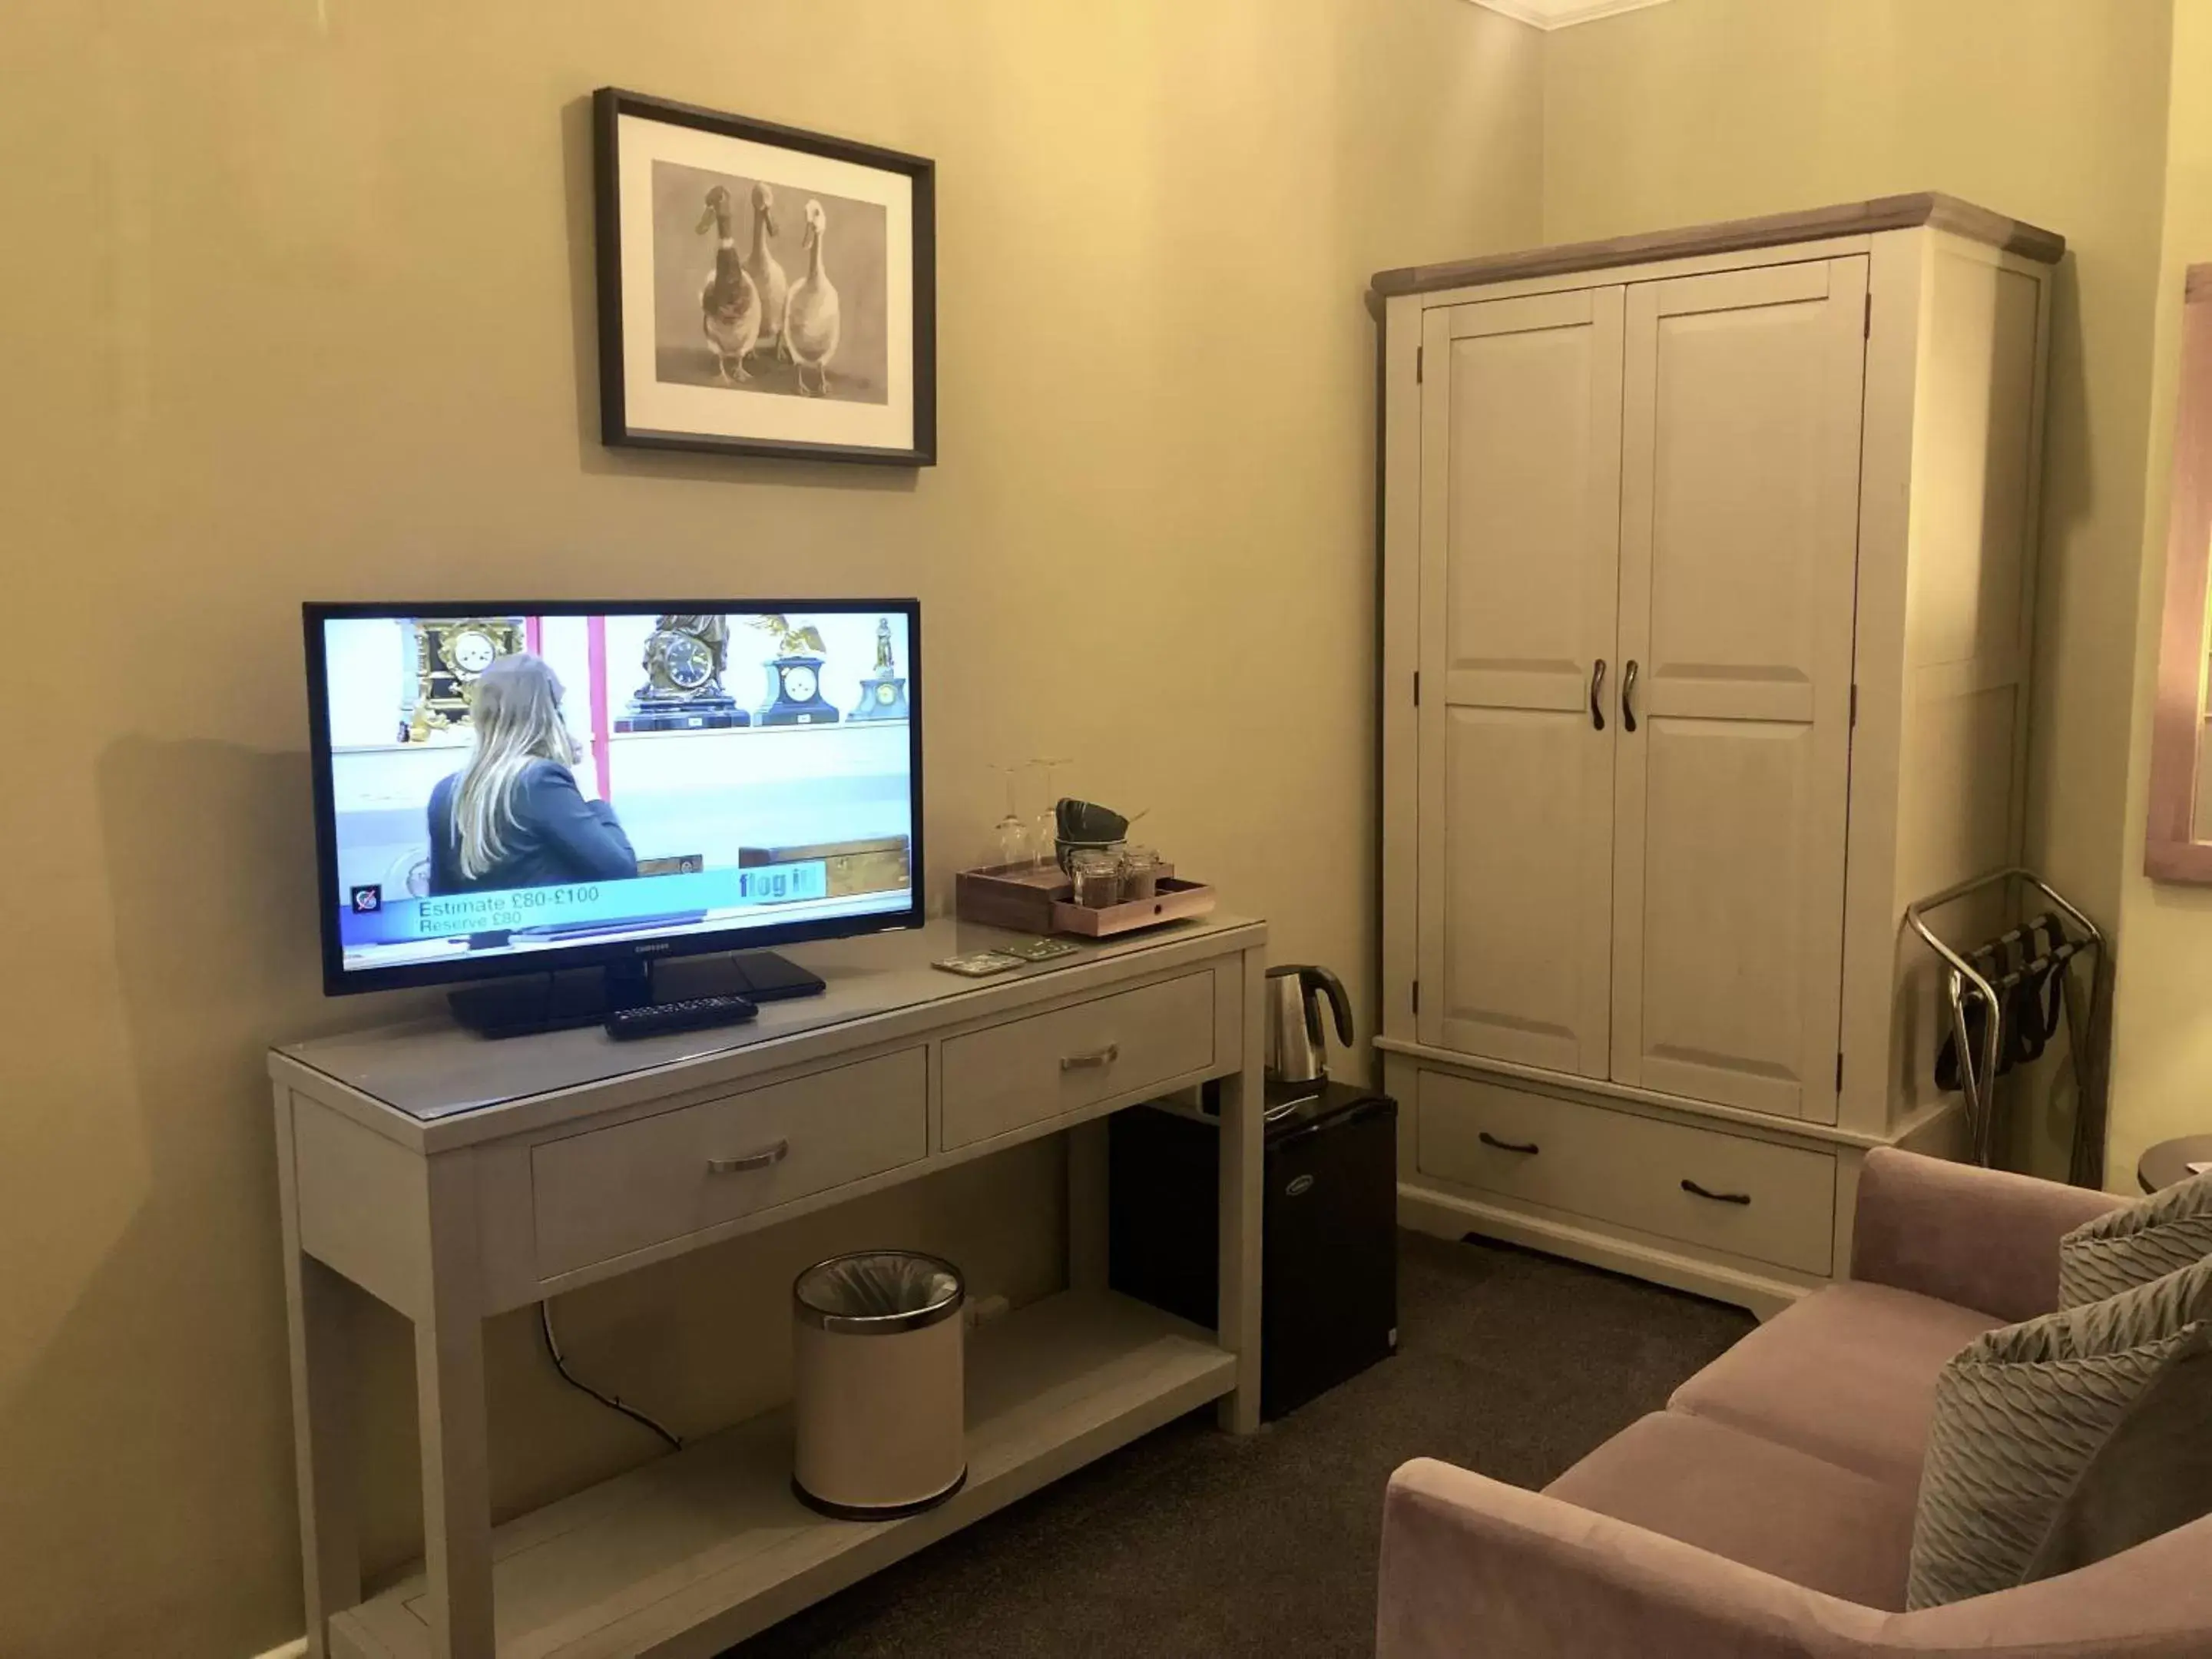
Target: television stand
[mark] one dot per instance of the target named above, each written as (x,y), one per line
(766,975)
(527,1004)
(455,1180)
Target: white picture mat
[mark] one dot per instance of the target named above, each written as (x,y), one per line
(654,405)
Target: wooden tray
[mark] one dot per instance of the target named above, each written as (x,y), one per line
(1001,897)
(1038,901)
(1175,901)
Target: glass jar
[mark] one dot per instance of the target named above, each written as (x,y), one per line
(1097,877)
(1140,869)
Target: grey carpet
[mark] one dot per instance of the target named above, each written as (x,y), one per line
(1194,1542)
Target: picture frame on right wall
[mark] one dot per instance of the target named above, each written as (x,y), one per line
(761,290)
(2177,819)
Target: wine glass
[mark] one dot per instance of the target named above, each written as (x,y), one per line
(1010,845)
(1046,836)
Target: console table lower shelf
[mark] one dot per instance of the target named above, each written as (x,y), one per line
(687,1555)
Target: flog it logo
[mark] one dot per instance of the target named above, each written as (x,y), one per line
(367,901)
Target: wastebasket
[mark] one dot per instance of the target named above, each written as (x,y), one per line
(882,1426)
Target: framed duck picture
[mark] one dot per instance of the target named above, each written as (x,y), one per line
(763,291)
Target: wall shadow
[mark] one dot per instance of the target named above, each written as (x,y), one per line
(2048,1096)
(164,1386)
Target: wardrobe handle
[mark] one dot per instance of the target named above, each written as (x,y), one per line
(1627,695)
(1597,683)
(1693,1188)
(1528,1147)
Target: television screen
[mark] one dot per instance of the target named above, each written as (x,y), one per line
(539,785)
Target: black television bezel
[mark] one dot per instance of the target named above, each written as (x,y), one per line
(340,981)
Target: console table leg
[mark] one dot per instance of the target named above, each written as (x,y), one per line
(318,1318)
(322,1430)
(1243,1112)
(1087,1204)
(449,1390)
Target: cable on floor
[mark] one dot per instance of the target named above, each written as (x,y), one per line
(560,1364)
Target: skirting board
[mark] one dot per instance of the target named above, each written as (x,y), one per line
(1450,1216)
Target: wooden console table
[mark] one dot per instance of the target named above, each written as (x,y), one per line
(453,1178)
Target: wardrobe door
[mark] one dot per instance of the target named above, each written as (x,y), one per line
(1520,534)
(1738,578)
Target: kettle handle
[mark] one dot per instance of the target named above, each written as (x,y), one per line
(1320,979)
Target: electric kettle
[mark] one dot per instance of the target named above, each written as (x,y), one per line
(1297,1050)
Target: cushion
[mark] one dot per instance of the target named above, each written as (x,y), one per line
(1751,1501)
(2161,1234)
(2018,1417)
(1847,1373)
(2153,1474)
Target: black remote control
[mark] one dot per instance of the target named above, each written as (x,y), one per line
(692,1014)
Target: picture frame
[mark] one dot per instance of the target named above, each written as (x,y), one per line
(762,290)
(2177,818)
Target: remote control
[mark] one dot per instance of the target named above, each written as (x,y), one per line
(692,1014)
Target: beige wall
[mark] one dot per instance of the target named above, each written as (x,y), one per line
(2162,1014)
(298,303)
(2054,111)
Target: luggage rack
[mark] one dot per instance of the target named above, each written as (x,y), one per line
(2009,979)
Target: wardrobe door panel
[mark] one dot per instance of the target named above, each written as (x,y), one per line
(1738,577)
(1520,527)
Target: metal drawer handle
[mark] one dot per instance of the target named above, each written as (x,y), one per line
(1105,1056)
(1691,1187)
(764,1158)
(1528,1147)
(1628,697)
(1597,684)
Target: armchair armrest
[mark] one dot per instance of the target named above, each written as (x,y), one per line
(1982,1238)
(1473,1568)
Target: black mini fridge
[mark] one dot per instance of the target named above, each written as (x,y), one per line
(1329,1275)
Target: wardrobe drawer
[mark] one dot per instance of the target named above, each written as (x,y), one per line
(607,1192)
(1030,1070)
(1758,1199)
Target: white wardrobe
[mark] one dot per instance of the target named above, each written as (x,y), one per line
(1707,560)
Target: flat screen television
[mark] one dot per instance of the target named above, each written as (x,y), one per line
(530,788)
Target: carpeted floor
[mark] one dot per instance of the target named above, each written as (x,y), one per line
(1194,1542)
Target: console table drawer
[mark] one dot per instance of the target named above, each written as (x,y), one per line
(607,1192)
(1758,1199)
(1030,1070)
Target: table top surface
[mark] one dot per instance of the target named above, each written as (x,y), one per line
(430,1068)
(2166,1164)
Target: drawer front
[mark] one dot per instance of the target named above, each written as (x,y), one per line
(1035,1069)
(1769,1202)
(607,1192)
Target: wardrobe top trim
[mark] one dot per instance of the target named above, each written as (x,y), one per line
(1845,219)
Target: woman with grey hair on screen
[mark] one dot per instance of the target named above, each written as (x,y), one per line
(514,816)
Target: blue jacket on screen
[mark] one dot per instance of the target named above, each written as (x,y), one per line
(556,836)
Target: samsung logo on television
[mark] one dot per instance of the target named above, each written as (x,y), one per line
(650,950)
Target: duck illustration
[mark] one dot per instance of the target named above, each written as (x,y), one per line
(730,305)
(810,319)
(761,266)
